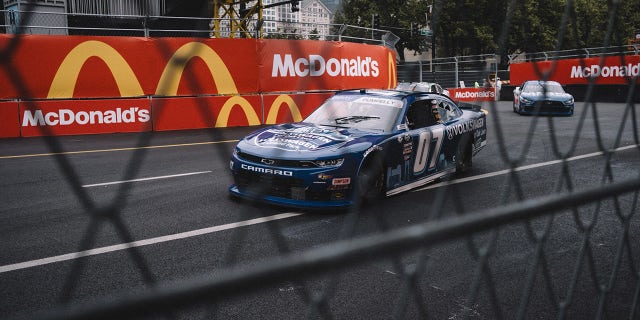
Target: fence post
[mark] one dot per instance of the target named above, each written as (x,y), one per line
(455,59)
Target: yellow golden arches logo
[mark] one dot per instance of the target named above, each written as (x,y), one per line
(225,112)
(64,82)
(275,107)
(393,78)
(170,78)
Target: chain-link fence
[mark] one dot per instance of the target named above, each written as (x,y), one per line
(568,249)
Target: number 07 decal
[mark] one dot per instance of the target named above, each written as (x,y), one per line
(422,153)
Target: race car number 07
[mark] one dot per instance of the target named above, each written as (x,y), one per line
(423,155)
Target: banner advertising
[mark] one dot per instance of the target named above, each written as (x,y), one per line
(324,65)
(472,94)
(64,117)
(283,108)
(205,112)
(9,114)
(96,67)
(609,70)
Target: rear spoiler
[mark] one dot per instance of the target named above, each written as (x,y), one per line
(469,106)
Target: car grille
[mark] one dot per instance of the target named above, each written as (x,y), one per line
(548,107)
(276,162)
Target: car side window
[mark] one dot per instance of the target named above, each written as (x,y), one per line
(419,115)
(446,110)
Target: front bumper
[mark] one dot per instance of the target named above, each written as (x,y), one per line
(292,187)
(546,107)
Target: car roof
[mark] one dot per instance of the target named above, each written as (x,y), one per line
(392,93)
(543,82)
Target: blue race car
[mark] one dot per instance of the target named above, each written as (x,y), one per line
(359,145)
(542,98)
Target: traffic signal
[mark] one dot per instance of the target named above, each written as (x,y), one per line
(376,21)
(294,5)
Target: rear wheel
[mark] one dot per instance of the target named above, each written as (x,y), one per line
(370,184)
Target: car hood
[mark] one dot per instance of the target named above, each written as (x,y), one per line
(552,96)
(306,141)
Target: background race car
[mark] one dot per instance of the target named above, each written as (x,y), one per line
(542,98)
(358,146)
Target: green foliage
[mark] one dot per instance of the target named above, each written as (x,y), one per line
(470,27)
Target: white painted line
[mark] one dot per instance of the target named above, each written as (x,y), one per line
(527,167)
(146,242)
(145,179)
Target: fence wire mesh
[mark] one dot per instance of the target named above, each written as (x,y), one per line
(569,250)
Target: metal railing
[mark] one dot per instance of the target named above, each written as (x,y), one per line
(56,23)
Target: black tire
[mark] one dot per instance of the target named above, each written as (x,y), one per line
(370,184)
(464,156)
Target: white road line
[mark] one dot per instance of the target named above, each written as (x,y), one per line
(146,242)
(145,179)
(527,167)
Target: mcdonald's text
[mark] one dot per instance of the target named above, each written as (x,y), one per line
(65,117)
(316,66)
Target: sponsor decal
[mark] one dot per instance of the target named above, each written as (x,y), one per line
(66,117)
(464,127)
(340,181)
(371,149)
(303,138)
(316,66)
(594,71)
(275,172)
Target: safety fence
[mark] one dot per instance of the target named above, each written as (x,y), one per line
(525,229)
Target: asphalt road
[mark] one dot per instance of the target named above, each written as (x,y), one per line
(67,206)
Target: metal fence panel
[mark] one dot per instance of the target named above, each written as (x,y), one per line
(524,228)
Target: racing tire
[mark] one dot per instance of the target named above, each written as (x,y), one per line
(370,184)
(464,156)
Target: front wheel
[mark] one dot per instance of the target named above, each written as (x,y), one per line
(370,184)
(464,157)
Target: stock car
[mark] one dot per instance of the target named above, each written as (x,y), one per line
(358,146)
(542,98)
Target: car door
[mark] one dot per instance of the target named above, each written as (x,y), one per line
(427,132)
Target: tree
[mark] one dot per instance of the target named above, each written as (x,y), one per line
(471,27)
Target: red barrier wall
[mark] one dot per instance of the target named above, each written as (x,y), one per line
(610,70)
(291,108)
(205,112)
(91,67)
(9,119)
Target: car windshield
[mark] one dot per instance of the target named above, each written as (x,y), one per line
(538,88)
(360,112)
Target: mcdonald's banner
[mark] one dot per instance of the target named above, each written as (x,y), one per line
(71,117)
(621,69)
(63,67)
(324,65)
(472,94)
(9,115)
(283,108)
(205,112)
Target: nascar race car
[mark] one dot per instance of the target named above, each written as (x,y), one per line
(359,145)
(543,98)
